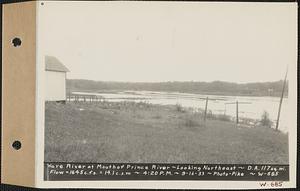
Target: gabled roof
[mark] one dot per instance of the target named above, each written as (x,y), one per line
(53,64)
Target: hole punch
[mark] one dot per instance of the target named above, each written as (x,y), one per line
(16,42)
(17,145)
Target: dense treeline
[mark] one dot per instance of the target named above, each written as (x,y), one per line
(216,87)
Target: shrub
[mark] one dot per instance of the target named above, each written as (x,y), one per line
(157,116)
(210,115)
(179,108)
(190,121)
(265,120)
(223,117)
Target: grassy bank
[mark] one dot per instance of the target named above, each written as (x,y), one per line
(139,132)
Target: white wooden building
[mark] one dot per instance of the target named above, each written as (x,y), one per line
(56,74)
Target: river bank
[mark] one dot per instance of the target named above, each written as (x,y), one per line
(142,132)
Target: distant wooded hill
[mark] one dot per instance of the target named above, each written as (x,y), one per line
(216,87)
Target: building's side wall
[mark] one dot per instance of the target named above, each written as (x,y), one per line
(55,86)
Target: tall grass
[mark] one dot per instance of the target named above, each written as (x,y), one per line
(220,117)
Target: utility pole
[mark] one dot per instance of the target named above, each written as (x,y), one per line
(281,98)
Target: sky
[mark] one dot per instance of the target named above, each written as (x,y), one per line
(170,41)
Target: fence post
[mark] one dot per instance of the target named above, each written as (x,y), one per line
(205,112)
(237,112)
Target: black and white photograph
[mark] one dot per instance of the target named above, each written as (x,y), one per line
(182,83)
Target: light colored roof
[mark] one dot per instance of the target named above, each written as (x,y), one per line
(53,64)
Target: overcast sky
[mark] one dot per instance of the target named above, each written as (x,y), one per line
(173,41)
